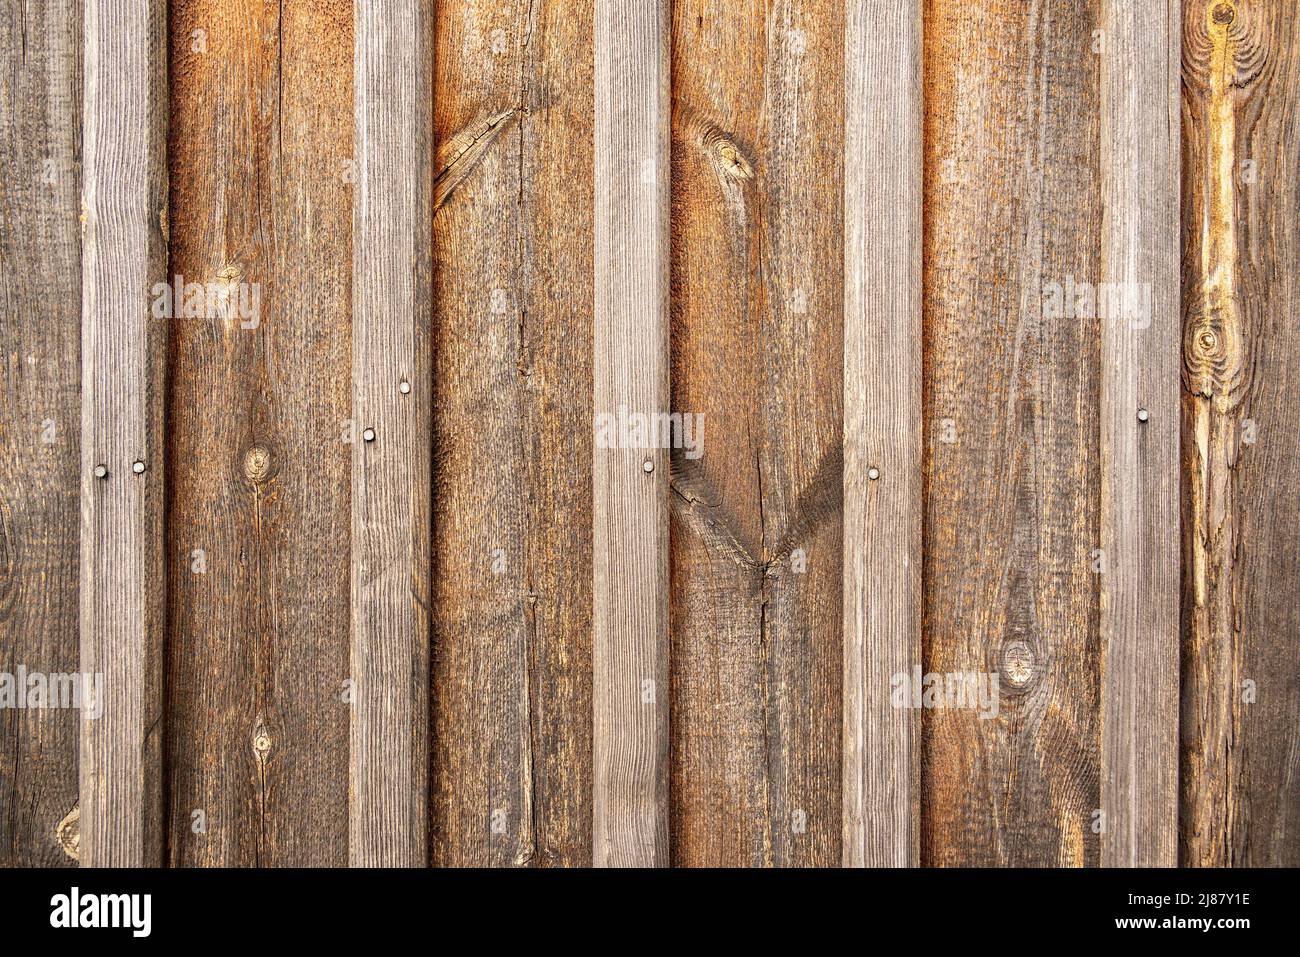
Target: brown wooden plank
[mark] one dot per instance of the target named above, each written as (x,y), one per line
(882,429)
(123,373)
(259,505)
(513,305)
(40,409)
(630,687)
(1140,65)
(1013,203)
(758,260)
(392,402)
(1241,354)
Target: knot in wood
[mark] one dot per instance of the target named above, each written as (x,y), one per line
(259,464)
(733,163)
(1223,13)
(68,832)
(261,741)
(1212,356)
(1017,664)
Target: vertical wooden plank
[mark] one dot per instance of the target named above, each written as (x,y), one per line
(259,513)
(123,366)
(512,597)
(1241,450)
(392,399)
(1140,136)
(757,279)
(1011,403)
(882,429)
(40,336)
(630,370)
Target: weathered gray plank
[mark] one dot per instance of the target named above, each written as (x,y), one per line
(124,193)
(40,336)
(392,403)
(1140,137)
(882,428)
(630,369)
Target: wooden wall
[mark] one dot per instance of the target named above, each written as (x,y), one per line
(413,613)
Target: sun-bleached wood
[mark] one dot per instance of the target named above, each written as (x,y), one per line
(630,370)
(124,213)
(882,427)
(391,478)
(1139,457)
(1240,450)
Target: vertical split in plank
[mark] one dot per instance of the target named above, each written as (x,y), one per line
(630,374)
(882,428)
(40,408)
(1140,136)
(392,417)
(512,244)
(1241,450)
(757,362)
(124,252)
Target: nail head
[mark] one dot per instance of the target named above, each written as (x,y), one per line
(1143,415)
(137,466)
(404,387)
(648,465)
(368,435)
(873,473)
(101,471)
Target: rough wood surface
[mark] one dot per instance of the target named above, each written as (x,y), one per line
(40,410)
(393,398)
(883,429)
(123,373)
(1241,351)
(630,685)
(1140,135)
(757,277)
(512,711)
(1012,490)
(259,505)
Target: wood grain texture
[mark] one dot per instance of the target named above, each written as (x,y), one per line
(512,711)
(123,381)
(259,502)
(1140,136)
(630,686)
(883,428)
(1012,490)
(757,273)
(1241,353)
(40,408)
(391,477)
